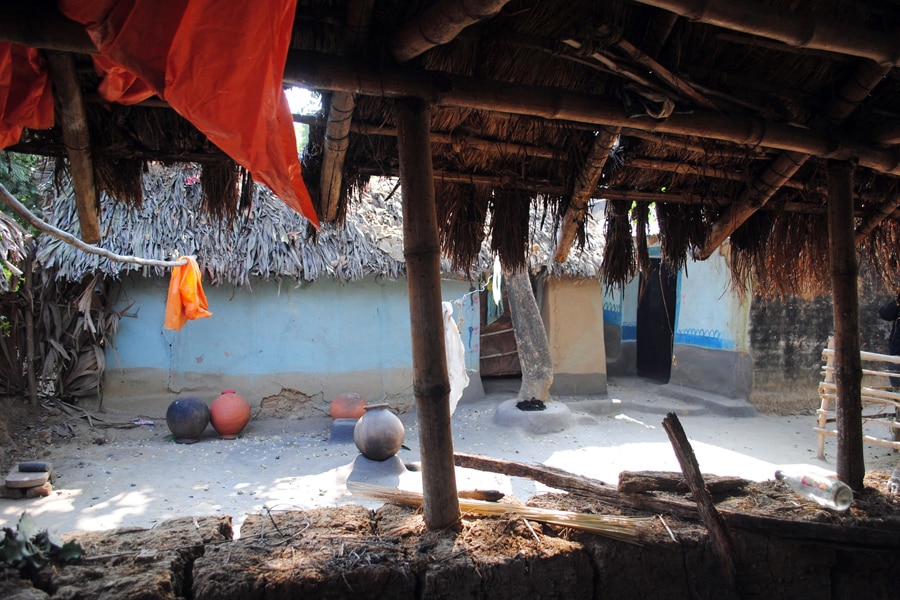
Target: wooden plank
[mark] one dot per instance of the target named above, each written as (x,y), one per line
(421,249)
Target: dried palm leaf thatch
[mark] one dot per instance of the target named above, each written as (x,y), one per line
(782,254)
(220,184)
(618,256)
(13,250)
(682,227)
(882,248)
(120,178)
(461,213)
(634,530)
(511,209)
(640,212)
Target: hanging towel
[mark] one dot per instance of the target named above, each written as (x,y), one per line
(186,299)
(456,357)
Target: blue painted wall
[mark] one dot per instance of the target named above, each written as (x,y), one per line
(321,338)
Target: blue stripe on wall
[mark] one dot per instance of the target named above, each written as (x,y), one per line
(612,317)
(629,333)
(705,341)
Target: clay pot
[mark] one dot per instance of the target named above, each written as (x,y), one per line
(187,418)
(379,433)
(347,406)
(229,414)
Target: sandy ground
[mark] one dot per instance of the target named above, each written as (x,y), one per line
(136,477)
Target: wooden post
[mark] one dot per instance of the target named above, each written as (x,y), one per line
(851,466)
(421,248)
(29,327)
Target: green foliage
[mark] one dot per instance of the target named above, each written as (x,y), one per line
(17,175)
(29,547)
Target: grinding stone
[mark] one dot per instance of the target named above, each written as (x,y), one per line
(19,479)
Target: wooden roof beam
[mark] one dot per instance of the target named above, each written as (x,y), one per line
(439,24)
(798,29)
(851,94)
(71,117)
(885,209)
(585,185)
(340,115)
(323,72)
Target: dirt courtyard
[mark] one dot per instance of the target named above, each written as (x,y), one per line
(132,475)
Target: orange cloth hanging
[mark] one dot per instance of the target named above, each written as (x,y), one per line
(26,98)
(218,64)
(186,299)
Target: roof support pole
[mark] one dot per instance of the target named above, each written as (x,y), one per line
(847,363)
(421,248)
(70,113)
(585,185)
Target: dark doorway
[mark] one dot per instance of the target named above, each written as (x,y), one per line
(655,322)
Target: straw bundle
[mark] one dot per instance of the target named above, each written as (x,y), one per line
(633,530)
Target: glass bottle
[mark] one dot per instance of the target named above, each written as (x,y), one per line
(827,491)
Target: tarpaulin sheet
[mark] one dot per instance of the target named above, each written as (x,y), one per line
(186,299)
(218,64)
(26,99)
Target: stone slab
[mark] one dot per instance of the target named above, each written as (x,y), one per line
(19,479)
(342,431)
(556,417)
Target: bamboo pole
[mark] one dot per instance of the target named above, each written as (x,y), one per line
(585,185)
(340,115)
(319,71)
(29,327)
(798,29)
(71,116)
(421,248)
(440,23)
(847,364)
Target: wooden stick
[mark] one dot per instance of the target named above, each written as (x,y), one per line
(823,533)
(421,248)
(722,545)
(68,238)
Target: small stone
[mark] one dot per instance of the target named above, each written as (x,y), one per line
(39,491)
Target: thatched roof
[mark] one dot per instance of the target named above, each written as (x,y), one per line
(269,241)
(13,241)
(723,117)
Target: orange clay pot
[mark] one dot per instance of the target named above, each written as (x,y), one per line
(229,414)
(347,406)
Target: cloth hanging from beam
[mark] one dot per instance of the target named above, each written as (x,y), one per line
(186,299)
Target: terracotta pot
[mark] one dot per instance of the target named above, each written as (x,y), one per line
(229,414)
(379,433)
(187,418)
(347,406)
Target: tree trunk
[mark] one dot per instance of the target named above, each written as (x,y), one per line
(531,338)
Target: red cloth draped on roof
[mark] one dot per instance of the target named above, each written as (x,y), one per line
(26,99)
(218,64)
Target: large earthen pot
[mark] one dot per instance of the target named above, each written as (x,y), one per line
(229,414)
(347,405)
(187,418)
(379,433)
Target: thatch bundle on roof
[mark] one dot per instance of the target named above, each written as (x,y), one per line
(268,240)
(13,249)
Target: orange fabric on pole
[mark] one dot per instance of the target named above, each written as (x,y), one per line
(119,84)
(186,299)
(218,64)
(26,98)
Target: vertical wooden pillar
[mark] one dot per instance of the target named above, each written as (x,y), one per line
(421,248)
(847,363)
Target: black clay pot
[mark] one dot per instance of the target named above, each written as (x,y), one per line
(187,418)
